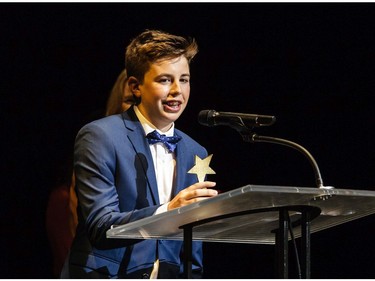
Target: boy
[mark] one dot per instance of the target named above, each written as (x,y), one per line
(124,174)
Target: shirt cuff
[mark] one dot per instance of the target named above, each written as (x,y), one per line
(163,208)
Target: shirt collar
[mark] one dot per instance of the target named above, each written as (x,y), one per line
(148,127)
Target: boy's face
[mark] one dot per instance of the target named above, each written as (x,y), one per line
(165,92)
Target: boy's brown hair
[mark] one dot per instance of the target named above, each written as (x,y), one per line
(154,45)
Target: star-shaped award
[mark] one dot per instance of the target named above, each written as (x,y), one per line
(201,167)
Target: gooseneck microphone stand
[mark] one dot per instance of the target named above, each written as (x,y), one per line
(318,178)
(285,225)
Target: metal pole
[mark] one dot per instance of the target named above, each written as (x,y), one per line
(282,245)
(306,247)
(188,245)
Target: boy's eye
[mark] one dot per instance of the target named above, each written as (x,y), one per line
(165,80)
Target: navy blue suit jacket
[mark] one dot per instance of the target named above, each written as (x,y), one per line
(116,184)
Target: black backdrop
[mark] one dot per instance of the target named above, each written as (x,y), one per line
(310,65)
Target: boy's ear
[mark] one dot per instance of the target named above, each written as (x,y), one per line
(133,84)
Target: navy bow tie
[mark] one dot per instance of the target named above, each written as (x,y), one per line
(169,142)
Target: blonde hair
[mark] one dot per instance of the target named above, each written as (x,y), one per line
(120,98)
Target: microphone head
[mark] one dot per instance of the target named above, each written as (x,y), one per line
(205,117)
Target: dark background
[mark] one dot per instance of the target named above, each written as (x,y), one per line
(310,65)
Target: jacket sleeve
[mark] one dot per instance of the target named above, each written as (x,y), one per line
(95,169)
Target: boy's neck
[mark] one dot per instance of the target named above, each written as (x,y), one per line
(149,127)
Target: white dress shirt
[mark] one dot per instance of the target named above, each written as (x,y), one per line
(164,163)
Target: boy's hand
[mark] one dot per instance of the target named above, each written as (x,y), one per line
(192,194)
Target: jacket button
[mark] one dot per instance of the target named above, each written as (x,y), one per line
(145,276)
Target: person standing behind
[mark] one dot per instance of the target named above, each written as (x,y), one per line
(120,98)
(123,174)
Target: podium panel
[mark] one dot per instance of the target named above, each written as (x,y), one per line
(261,204)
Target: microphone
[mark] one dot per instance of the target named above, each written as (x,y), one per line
(212,118)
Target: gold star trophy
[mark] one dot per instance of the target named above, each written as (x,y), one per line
(202,167)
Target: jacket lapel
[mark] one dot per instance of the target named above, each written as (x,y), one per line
(135,134)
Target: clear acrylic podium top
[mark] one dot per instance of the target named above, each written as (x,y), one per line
(337,206)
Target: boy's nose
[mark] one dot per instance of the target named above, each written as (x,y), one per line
(176,88)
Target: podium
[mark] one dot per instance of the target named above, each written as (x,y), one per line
(255,214)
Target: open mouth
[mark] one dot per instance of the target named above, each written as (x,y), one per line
(172,105)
